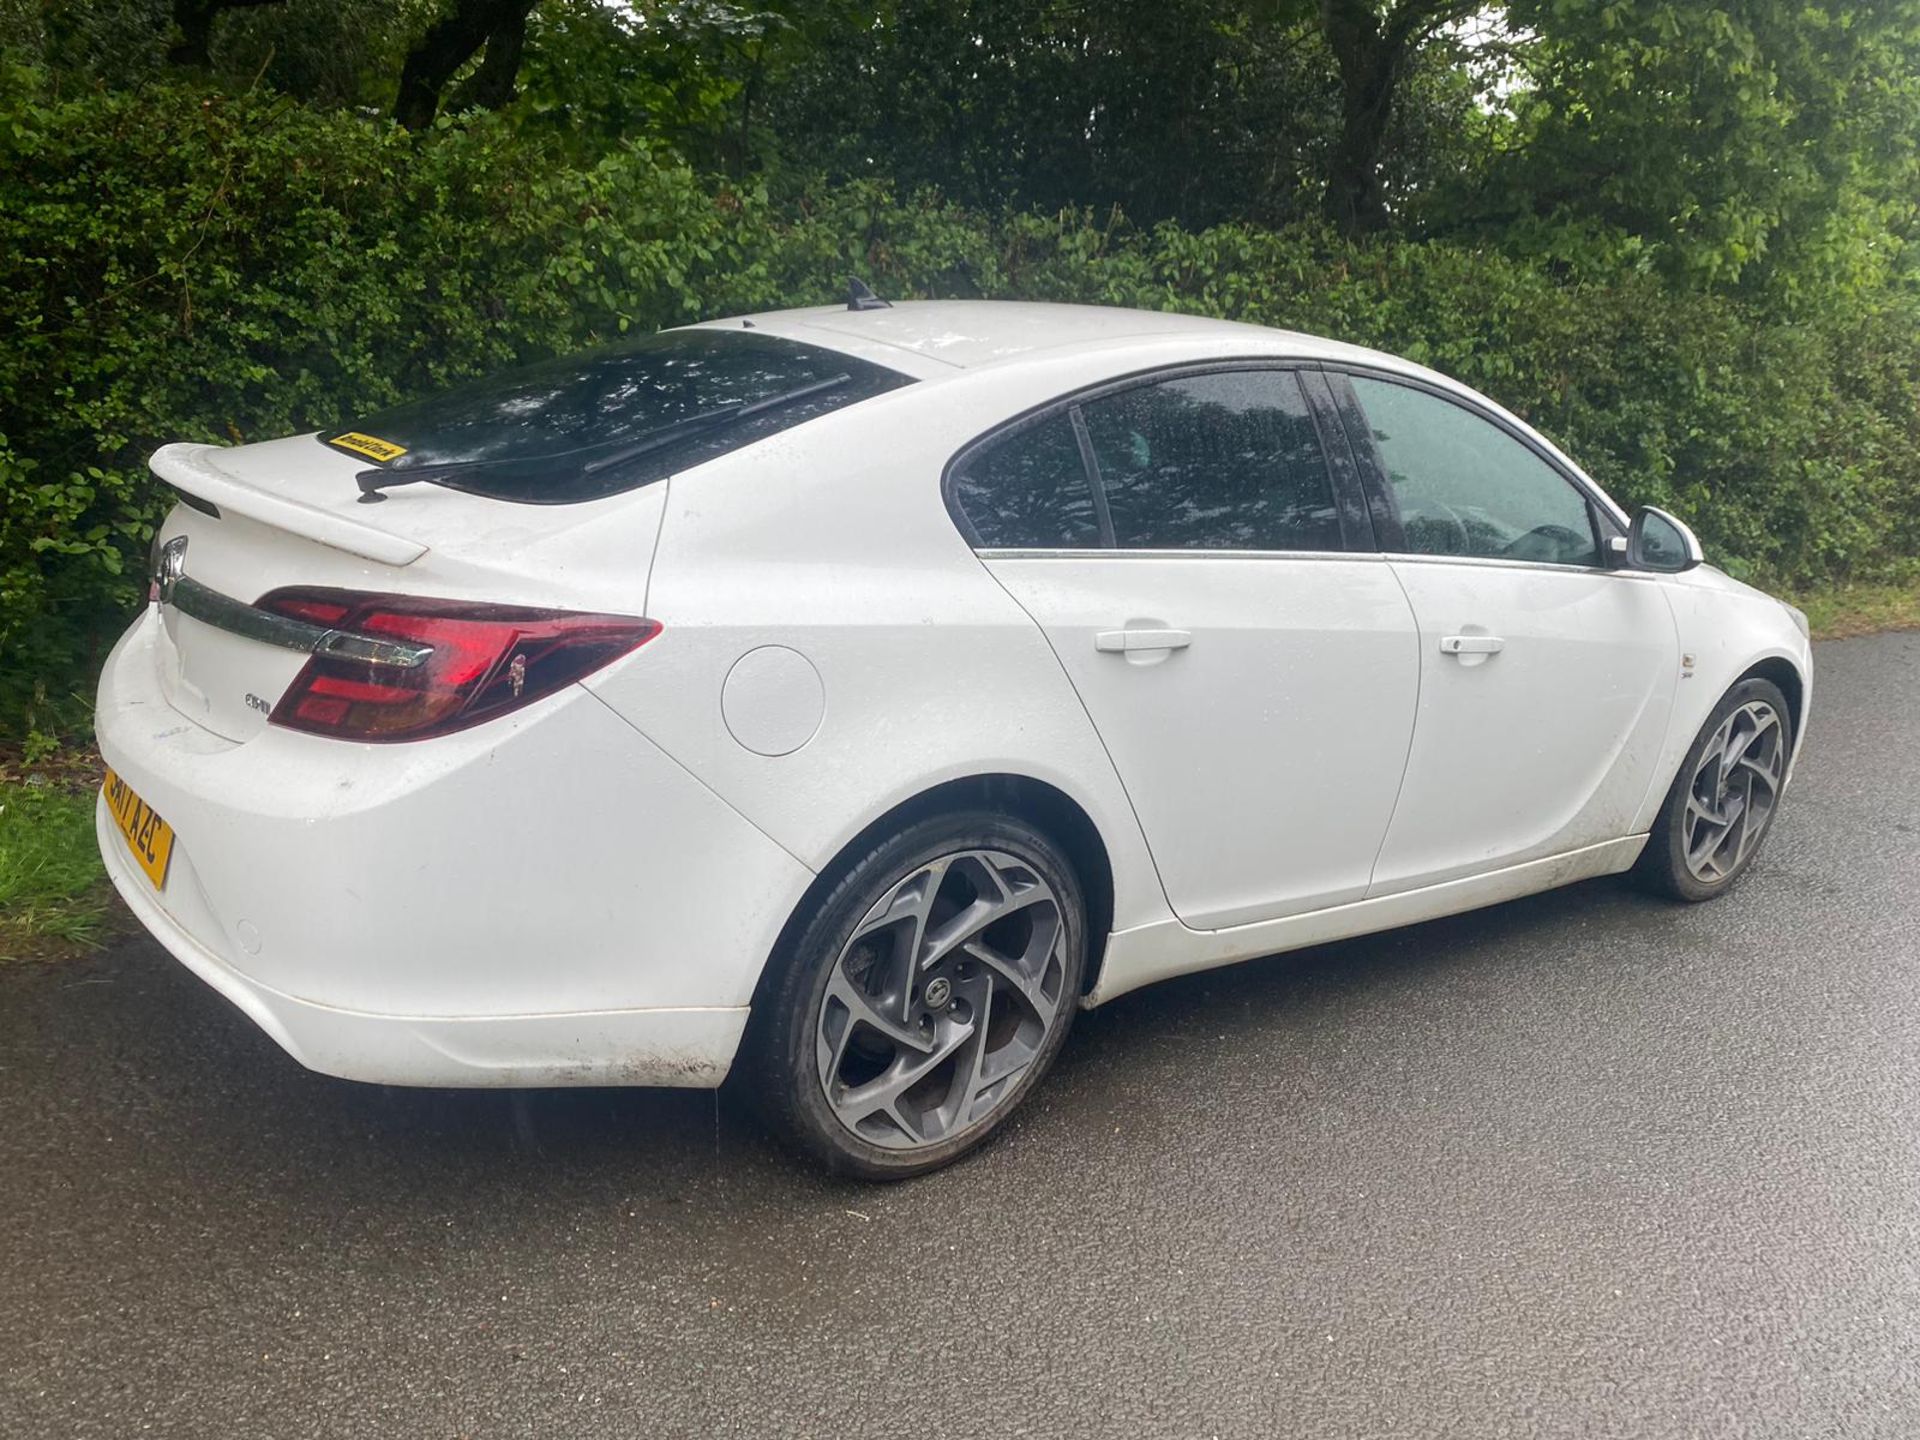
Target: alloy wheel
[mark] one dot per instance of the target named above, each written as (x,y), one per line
(942,999)
(1734,790)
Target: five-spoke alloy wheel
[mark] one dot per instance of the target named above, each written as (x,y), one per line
(929,991)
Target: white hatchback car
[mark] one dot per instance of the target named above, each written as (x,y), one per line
(850,694)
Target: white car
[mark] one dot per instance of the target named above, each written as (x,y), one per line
(846,696)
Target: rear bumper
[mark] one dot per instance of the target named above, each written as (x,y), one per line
(684,1046)
(545,900)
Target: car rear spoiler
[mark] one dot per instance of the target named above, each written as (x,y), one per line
(191,471)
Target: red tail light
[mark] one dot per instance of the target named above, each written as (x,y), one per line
(483,661)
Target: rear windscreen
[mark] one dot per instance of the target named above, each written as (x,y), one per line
(610,420)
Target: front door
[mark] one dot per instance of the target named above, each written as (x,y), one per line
(1253,677)
(1546,678)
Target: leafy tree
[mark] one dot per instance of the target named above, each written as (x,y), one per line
(1374,46)
(1714,138)
(333,53)
(691,77)
(1194,110)
(111,42)
(326,52)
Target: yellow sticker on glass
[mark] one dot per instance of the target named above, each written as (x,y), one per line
(367,445)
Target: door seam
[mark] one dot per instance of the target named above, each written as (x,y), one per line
(1654,785)
(1406,760)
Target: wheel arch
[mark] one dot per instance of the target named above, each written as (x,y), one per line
(1783,673)
(1046,807)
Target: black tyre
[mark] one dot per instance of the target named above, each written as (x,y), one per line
(921,998)
(1724,797)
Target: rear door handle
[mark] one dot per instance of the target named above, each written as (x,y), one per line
(1471,644)
(1121,641)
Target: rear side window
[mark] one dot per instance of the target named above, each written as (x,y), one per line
(614,419)
(1221,461)
(1028,490)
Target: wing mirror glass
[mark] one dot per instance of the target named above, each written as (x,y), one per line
(1658,541)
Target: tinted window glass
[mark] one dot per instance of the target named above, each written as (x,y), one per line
(1226,461)
(1029,490)
(547,432)
(1465,487)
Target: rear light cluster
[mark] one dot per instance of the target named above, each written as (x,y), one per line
(484,661)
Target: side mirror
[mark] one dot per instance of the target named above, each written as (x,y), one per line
(1657,541)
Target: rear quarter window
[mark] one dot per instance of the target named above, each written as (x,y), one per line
(1027,490)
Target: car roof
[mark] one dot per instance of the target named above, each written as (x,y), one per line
(936,339)
(931,337)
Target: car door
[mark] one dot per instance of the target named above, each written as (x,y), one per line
(1198,555)
(1546,677)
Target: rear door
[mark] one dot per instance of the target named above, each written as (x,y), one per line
(1546,677)
(1195,547)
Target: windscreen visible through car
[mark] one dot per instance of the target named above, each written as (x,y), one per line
(609,420)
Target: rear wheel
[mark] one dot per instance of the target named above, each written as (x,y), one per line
(925,995)
(1723,800)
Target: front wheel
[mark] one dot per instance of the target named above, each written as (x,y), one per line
(1724,799)
(924,997)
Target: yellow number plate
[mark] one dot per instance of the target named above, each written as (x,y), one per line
(148,836)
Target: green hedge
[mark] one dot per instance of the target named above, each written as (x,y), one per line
(177,264)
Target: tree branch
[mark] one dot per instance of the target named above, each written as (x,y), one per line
(449,43)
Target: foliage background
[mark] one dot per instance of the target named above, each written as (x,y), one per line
(1672,235)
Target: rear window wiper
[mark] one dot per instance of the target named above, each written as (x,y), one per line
(373,482)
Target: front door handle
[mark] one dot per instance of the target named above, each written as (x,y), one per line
(1471,644)
(1126,641)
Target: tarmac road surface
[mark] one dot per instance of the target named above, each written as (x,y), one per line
(1587,1164)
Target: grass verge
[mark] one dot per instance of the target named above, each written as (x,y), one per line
(54,897)
(1851,610)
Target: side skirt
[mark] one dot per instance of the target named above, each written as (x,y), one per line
(1167,948)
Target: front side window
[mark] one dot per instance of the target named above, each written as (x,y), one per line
(1463,486)
(1222,461)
